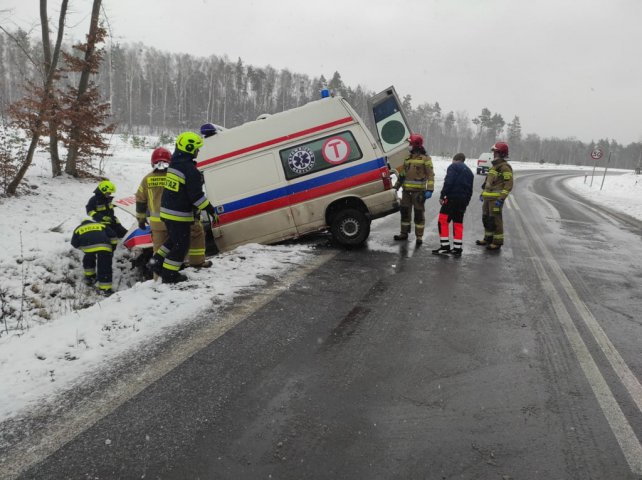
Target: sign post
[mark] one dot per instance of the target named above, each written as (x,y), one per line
(605,169)
(596,154)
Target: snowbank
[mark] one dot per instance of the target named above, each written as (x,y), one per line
(55,331)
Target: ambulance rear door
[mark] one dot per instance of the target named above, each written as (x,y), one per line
(391,124)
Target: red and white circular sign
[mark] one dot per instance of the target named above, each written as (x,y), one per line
(596,154)
(335,150)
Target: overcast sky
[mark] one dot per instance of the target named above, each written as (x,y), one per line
(566,67)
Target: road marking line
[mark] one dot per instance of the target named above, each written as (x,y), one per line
(51,438)
(624,434)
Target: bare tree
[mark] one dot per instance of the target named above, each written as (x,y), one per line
(33,111)
(90,65)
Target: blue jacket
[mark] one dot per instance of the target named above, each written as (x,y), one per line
(183,190)
(100,209)
(458,182)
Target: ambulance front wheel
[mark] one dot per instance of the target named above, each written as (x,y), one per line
(350,227)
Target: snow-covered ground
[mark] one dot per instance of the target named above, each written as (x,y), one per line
(55,332)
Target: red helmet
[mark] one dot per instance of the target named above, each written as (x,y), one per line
(416,140)
(161,154)
(501,148)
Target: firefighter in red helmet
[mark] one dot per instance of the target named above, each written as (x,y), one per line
(417,178)
(498,184)
(148,204)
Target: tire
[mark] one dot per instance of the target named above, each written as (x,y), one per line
(350,227)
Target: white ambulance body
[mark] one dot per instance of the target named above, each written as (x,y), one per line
(308,169)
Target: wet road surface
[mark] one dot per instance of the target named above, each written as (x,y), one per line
(399,364)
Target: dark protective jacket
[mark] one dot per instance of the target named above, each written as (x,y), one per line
(93,237)
(499,181)
(458,182)
(100,209)
(183,190)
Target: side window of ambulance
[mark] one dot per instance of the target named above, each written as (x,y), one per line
(319,154)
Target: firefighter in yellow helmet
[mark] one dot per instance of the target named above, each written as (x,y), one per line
(182,196)
(101,209)
(148,204)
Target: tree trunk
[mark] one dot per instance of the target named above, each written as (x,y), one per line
(51,62)
(72,155)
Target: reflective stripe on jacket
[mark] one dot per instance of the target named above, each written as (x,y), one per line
(499,181)
(183,190)
(100,208)
(148,198)
(416,173)
(92,237)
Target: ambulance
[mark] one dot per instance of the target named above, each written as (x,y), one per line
(309,169)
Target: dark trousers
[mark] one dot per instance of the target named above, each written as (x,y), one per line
(104,276)
(172,253)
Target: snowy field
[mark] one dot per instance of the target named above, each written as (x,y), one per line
(56,332)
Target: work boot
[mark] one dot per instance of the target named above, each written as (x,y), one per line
(494,247)
(155,266)
(89,281)
(419,241)
(441,250)
(175,278)
(205,264)
(401,236)
(482,242)
(105,293)
(456,252)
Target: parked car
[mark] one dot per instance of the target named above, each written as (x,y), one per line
(484,163)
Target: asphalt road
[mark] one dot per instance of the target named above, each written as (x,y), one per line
(522,364)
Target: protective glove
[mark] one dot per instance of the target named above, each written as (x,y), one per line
(142,224)
(499,203)
(481,198)
(214,219)
(427,194)
(443,201)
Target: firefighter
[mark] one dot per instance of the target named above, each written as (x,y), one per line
(101,210)
(148,203)
(417,178)
(182,195)
(454,199)
(498,184)
(97,241)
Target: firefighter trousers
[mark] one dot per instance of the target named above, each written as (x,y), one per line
(196,250)
(412,200)
(493,222)
(103,261)
(173,251)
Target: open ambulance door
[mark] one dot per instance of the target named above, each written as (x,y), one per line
(393,128)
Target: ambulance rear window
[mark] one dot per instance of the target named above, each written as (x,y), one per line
(319,154)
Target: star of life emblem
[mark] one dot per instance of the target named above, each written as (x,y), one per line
(301,160)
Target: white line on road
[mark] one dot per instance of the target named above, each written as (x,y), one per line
(629,443)
(52,437)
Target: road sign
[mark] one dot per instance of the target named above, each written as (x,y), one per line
(597,153)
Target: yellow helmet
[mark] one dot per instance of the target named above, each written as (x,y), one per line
(189,142)
(106,187)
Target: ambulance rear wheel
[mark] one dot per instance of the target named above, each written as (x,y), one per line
(350,227)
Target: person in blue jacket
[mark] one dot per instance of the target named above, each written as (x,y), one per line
(454,199)
(97,241)
(182,197)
